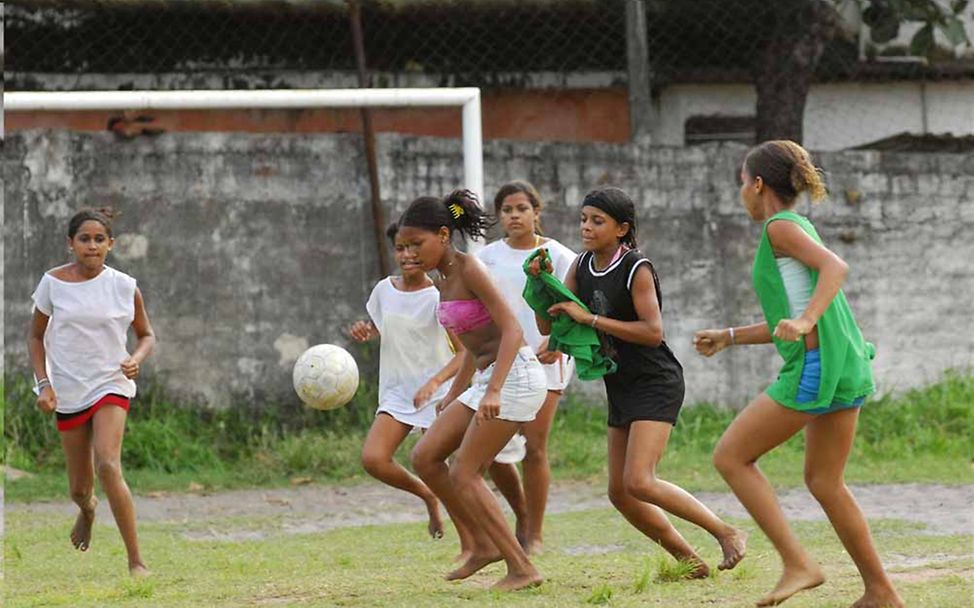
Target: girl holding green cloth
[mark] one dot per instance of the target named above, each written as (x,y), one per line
(645,390)
(824,381)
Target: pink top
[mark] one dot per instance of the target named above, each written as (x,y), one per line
(461,316)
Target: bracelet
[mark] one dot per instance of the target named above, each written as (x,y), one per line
(733,339)
(42,384)
(595,320)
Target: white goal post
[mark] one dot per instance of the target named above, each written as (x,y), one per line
(467,97)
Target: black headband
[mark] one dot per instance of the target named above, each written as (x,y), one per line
(614,209)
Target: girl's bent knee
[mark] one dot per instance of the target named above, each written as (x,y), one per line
(108,470)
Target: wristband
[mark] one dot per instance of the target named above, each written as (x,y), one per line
(42,384)
(595,320)
(733,339)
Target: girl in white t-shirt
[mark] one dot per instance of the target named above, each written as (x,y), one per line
(518,207)
(416,358)
(84,374)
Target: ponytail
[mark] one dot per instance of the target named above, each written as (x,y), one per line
(458,212)
(787,169)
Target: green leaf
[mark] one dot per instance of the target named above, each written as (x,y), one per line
(954,31)
(958,6)
(922,42)
(884,25)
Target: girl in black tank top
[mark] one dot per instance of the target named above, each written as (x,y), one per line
(622,291)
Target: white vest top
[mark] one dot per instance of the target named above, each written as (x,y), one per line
(86,336)
(505,265)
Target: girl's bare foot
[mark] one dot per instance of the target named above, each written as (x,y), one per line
(474,564)
(463,556)
(435,526)
(138,570)
(513,582)
(885,598)
(791,582)
(734,546)
(81,533)
(700,570)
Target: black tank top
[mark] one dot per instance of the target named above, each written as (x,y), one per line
(607,293)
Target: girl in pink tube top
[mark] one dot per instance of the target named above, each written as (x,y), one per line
(507,384)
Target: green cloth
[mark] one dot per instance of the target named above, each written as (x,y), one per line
(579,341)
(846,370)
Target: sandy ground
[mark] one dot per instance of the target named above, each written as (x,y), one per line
(313,508)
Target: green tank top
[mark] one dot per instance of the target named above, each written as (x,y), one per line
(846,370)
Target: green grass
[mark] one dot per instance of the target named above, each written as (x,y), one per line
(397,565)
(924,435)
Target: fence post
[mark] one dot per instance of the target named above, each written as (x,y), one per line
(637,51)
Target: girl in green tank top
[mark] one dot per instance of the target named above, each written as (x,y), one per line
(825,377)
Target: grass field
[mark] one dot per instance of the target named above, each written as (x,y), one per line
(593,557)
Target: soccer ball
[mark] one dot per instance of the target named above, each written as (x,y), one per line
(325,377)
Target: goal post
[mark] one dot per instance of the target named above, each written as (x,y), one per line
(468,98)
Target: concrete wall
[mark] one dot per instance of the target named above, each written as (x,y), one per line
(251,247)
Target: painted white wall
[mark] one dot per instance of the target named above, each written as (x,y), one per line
(837,115)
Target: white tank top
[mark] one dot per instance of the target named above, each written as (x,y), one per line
(86,336)
(798,284)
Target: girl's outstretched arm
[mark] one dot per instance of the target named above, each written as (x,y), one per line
(146,339)
(789,240)
(709,342)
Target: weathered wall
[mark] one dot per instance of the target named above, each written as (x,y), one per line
(248,248)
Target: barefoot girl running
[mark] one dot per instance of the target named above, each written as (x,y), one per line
(824,381)
(508,388)
(415,360)
(518,207)
(619,285)
(77,345)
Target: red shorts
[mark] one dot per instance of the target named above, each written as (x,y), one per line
(66,422)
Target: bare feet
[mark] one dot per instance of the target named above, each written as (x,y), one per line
(734,546)
(791,582)
(81,533)
(435,526)
(138,570)
(701,570)
(513,582)
(463,556)
(886,598)
(474,564)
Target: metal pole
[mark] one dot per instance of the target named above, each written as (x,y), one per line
(378,218)
(637,51)
(473,155)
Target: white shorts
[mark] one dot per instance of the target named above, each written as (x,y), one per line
(514,452)
(522,394)
(406,413)
(559,373)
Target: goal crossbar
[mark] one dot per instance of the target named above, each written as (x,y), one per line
(468,98)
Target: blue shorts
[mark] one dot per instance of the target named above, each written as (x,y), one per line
(808,387)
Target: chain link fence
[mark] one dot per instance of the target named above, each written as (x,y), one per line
(547,46)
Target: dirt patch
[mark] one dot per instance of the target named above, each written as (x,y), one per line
(310,508)
(929,574)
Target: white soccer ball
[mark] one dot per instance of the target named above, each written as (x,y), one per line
(325,377)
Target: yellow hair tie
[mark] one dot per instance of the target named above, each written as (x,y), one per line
(455,209)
